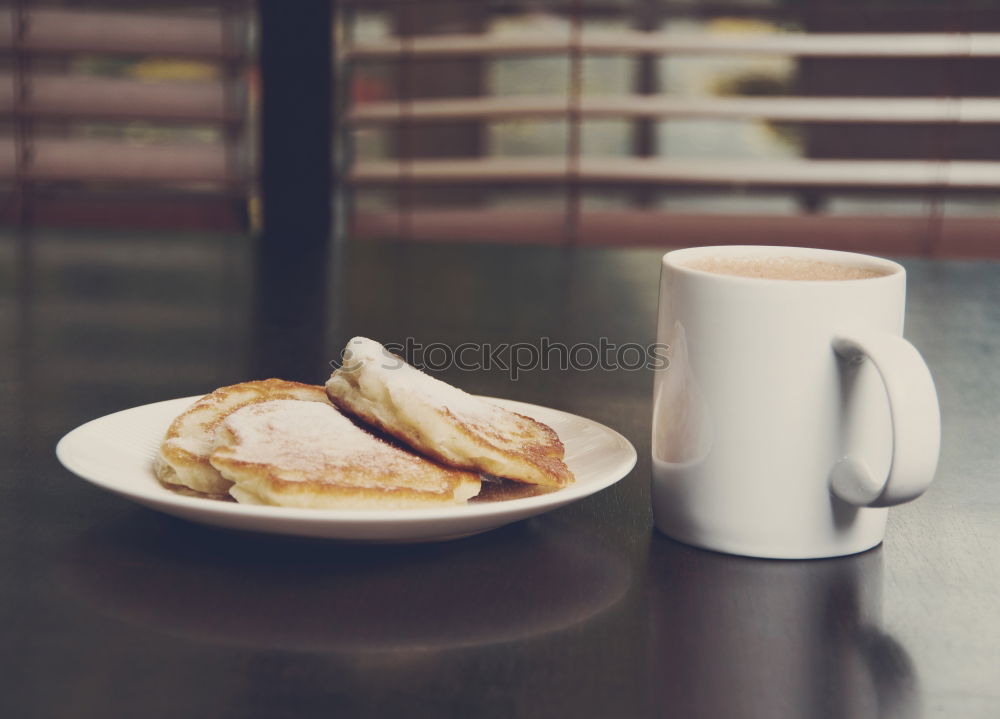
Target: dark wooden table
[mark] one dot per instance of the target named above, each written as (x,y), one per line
(112,610)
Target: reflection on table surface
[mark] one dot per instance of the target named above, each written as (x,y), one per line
(264,592)
(768,638)
(115,611)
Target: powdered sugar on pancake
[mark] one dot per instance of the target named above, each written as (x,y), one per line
(308,441)
(184,458)
(443,422)
(406,384)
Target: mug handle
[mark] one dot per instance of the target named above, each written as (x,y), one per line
(916,423)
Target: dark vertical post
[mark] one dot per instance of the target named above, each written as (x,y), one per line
(295,174)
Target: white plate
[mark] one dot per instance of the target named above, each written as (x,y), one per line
(116,453)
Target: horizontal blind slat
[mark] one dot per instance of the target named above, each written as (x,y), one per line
(86,31)
(871,174)
(970,236)
(107,161)
(800,109)
(866,45)
(83,97)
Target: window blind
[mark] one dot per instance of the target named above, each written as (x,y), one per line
(121,115)
(589,115)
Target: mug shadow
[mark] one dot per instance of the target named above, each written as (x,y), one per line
(238,589)
(765,639)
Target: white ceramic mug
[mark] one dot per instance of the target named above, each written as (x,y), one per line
(792,411)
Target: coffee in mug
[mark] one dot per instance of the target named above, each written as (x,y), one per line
(782,267)
(792,412)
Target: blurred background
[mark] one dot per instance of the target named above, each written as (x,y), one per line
(864,124)
(182,182)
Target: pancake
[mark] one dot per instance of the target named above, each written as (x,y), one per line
(306,454)
(444,422)
(191,437)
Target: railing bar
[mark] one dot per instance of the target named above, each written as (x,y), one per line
(866,45)
(800,109)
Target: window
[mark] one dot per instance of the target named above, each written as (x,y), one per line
(863,125)
(118,115)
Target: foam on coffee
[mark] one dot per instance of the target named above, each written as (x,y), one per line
(781,268)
